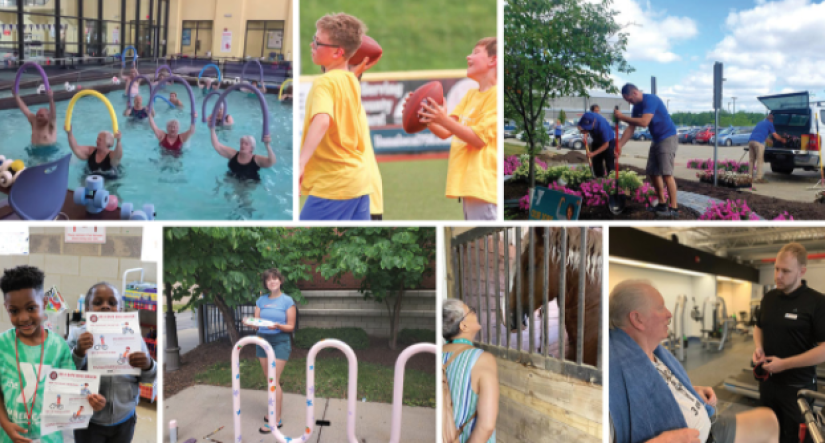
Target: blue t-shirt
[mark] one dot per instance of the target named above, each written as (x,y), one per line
(558,129)
(602,132)
(761,131)
(661,126)
(274,309)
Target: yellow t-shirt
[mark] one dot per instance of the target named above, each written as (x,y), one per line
(376,186)
(472,172)
(339,167)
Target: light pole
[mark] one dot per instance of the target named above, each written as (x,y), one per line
(668,105)
(734,104)
(728,106)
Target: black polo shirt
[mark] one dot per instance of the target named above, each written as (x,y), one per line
(792,324)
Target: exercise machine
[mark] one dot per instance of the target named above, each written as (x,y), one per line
(676,337)
(721,324)
(744,384)
(814,421)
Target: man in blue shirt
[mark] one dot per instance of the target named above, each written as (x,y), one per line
(602,142)
(557,133)
(650,112)
(756,145)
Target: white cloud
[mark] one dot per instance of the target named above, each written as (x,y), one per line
(651,33)
(774,47)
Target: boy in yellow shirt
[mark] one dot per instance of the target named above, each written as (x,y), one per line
(472,169)
(334,168)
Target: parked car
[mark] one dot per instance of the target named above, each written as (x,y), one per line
(703,136)
(642,135)
(794,115)
(567,135)
(738,136)
(687,136)
(723,132)
(509,131)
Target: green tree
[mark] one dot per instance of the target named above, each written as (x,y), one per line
(225,264)
(388,261)
(562,116)
(557,48)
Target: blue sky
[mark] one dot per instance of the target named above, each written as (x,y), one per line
(767,47)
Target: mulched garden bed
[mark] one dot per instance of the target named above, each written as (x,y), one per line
(207,355)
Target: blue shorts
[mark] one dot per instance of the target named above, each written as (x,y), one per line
(316,208)
(281,345)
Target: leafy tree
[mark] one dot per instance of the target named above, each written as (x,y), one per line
(557,48)
(387,260)
(225,264)
(562,116)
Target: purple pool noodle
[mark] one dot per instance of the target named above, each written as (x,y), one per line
(261,98)
(206,100)
(179,80)
(39,69)
(260,68)
(129,91)
(160,68)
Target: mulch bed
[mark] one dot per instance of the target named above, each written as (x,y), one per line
(207,355)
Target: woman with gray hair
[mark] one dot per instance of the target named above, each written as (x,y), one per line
(471,374)
(100,159)
(172,139)
(244,164)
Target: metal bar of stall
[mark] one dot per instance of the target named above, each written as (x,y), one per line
(456,276)
(487,285)
(562,289)
(582,281)
(478,286)
(599,347)
(545,327)
(497,296)
(461,263)
(506,283)
(516,297)
(531,284)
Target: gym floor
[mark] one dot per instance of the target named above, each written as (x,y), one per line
(709,367)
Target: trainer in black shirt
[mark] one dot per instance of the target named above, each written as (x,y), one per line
(790,339)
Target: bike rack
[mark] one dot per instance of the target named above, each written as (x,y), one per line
(352,361)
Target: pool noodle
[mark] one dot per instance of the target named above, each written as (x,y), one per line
(260,69)
(206,100)
(161,67)
(129,90)
(172,105)
(20,73)
(102,98)
(180,80)
(281,91)
(261,98)
(217,69)
(123,56)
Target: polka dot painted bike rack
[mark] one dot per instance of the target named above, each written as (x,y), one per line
(352,363)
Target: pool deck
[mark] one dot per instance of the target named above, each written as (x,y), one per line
(70,208)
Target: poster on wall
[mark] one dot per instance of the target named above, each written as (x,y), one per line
(226,41)
(116,35)
(275,40)
(85,234)
(186,38)
(14,240)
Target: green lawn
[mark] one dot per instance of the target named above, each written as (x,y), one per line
(415,35)
(375,382)
(414,190)
(514,149)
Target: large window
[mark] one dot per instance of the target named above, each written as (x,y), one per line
(264,38)
(196,38)
(39,7)
(38,36)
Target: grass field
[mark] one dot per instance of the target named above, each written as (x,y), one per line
(414,190)
(419,35)
(514,149)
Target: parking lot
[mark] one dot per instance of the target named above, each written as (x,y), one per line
(788,187)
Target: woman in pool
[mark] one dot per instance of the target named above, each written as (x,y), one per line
(262,88)
(135,88)
(209,85)
(138,111)
(244,164)
(171,139)
(221,120)
(173,97)
(100,159)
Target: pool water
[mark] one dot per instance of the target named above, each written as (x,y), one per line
(190,185)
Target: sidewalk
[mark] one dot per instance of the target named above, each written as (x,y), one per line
(201,409)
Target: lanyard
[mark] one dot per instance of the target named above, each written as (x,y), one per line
(20,376)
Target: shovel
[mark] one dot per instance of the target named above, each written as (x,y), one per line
(587,150)
(616,202)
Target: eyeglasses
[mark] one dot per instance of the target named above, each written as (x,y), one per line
(317,43)
(472,310)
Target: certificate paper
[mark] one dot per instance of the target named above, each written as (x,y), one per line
(116,335)
(65,405)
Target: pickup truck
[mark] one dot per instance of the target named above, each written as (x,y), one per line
(799,120)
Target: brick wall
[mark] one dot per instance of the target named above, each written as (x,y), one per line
(74,267)
(337,308)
